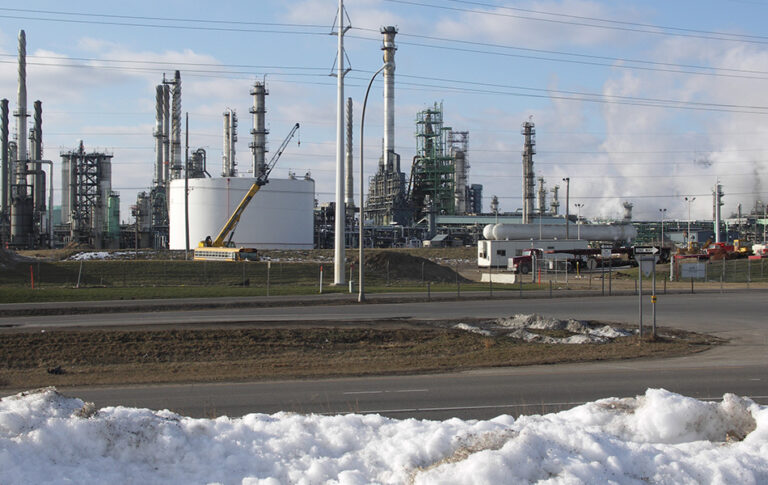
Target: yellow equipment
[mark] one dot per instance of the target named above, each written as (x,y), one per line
(221,248)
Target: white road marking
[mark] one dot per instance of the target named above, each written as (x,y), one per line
(386,392)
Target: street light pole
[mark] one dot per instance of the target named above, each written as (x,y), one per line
(578,220)
(361,240)
(688,237)
(567,181)
(663,211)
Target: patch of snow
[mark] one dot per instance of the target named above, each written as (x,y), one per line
(659,437)
(472,329)
(519,327)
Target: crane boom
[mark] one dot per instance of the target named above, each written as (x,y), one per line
(228,230)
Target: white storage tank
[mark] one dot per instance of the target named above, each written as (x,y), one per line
(280,215)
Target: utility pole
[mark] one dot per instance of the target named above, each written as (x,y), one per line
(339,231)
(663,211)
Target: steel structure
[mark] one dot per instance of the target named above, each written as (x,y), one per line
(25,216)
(259,144)
(228,162)
(529,149)
(458,142)
(86,192)
(433,170)
(387,203)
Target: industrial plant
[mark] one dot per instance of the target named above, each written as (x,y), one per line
(430,201)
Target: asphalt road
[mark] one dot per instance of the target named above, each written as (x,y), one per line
(741,366)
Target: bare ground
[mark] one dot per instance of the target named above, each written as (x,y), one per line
(235,353)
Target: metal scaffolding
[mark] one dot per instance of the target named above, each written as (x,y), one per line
(433,169)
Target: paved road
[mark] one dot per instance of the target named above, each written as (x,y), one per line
(740,366)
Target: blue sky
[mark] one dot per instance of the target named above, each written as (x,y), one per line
(586,71)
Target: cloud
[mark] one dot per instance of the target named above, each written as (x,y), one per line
(509,26)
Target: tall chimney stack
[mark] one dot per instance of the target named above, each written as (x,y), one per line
(21,102)
(388,46)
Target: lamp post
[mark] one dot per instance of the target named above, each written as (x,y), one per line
(578,220)
(662,211)
(688,237)
(567,181)
(361,241)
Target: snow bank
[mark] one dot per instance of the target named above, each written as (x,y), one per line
(520,326)
(660,437)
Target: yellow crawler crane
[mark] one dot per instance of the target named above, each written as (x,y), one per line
(221,247)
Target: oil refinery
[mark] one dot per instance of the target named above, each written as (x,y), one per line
(429,201)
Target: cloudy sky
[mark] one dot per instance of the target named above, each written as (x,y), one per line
(642,101)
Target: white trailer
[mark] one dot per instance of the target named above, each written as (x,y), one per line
(496,253)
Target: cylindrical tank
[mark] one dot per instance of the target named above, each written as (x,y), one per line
(21,221)
(105,184)
(280,216)
(590,232)
(113,216)
(488,231)
(66,191)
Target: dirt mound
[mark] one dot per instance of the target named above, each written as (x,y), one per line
(403,266)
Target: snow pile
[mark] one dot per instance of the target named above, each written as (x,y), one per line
(520,326)
(660,437)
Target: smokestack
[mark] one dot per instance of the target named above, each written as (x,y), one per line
(21,102)
(350,190)
(388,46)
(5,189)
(718,203)
(158,134)
(259,144)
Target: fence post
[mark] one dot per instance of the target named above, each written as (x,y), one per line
(79,274)
(321,279)
(458,283)
(269,266)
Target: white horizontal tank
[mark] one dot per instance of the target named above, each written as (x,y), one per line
(280,215)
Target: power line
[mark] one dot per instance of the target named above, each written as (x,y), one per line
(163,19)
(574,61)
(620,22)
(656,30)
(166,26)
(574,54)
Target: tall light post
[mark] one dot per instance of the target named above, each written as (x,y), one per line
(688,237)
(578,220)
(662,211)
(567,181)
(361,241)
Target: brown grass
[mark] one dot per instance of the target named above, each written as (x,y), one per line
(99,357)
